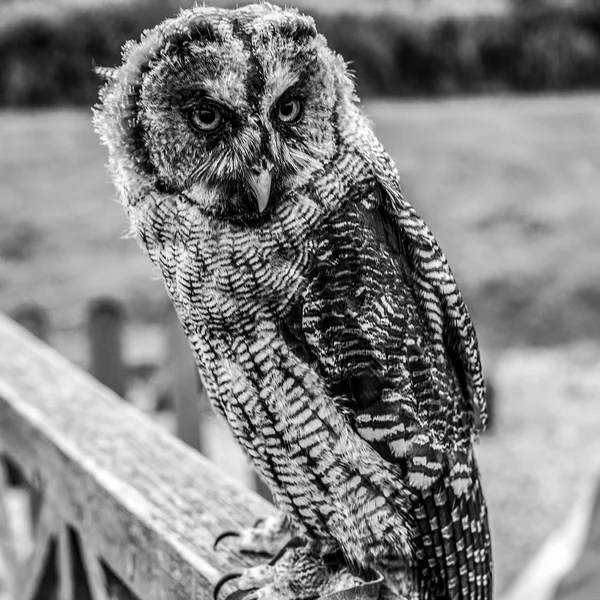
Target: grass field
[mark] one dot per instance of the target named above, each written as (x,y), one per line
(509,186)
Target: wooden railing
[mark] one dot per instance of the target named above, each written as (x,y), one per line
(122,508)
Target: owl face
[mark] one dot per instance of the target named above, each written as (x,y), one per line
(235,109)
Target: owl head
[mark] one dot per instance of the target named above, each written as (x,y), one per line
(232,108)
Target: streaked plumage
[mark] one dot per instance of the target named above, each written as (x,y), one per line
(328,327)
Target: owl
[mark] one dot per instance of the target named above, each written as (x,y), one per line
(326,323)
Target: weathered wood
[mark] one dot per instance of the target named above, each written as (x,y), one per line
(35,319)
(8,548)
(81,581)
(149,506)
(94,571)
(38,578)
(184,382)
(105,331)
(65,565)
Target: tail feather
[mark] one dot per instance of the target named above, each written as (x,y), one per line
(463,528)
(444,515)
(458,559)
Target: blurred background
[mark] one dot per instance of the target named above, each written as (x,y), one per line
(491,110)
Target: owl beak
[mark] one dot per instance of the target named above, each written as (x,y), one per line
(261,186)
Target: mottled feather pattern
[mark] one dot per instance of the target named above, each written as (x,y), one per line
(329,330)
(268,390)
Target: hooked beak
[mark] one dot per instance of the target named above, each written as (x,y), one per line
(260,182)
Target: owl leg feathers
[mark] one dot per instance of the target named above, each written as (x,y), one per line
(299,572)
(268,536)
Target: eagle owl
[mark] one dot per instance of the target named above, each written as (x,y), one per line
(326,323)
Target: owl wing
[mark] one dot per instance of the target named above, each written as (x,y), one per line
(421,417)
(452,519)
(451,512)
(436,288)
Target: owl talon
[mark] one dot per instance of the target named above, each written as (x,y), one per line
(266,538)
(223,536)
(225,579)
(299,572)
(366,590)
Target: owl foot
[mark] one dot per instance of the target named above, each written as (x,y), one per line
(267,536)
(298,572)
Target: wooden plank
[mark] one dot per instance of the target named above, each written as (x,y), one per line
(65,565)
(36,319)
(540,578)
(96,577)
(33,582)
(8,548)
(151,506)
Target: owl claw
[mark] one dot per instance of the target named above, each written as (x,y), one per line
(225,579)
(303,575)
(265,538)
(223,536)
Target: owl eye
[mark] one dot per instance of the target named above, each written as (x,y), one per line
(205,117)
(289,111)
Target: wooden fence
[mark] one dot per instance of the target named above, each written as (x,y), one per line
(105,329)
(181,388)
(125,510)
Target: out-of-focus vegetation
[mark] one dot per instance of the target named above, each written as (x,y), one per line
(48,49)
(508,186)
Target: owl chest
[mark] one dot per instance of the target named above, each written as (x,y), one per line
(249,278)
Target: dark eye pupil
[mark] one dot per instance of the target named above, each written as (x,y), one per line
(205,118)
(287,109)
(207,115)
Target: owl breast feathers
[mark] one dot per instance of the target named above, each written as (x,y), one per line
(327,325)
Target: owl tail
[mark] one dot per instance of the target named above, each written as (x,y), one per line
(454,540)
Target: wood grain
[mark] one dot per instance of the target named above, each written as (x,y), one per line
(96,578)
(38,578)
(149,506)
(8,548)
(65,565)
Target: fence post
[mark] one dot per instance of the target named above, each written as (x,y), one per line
(105,331)
(184,382)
